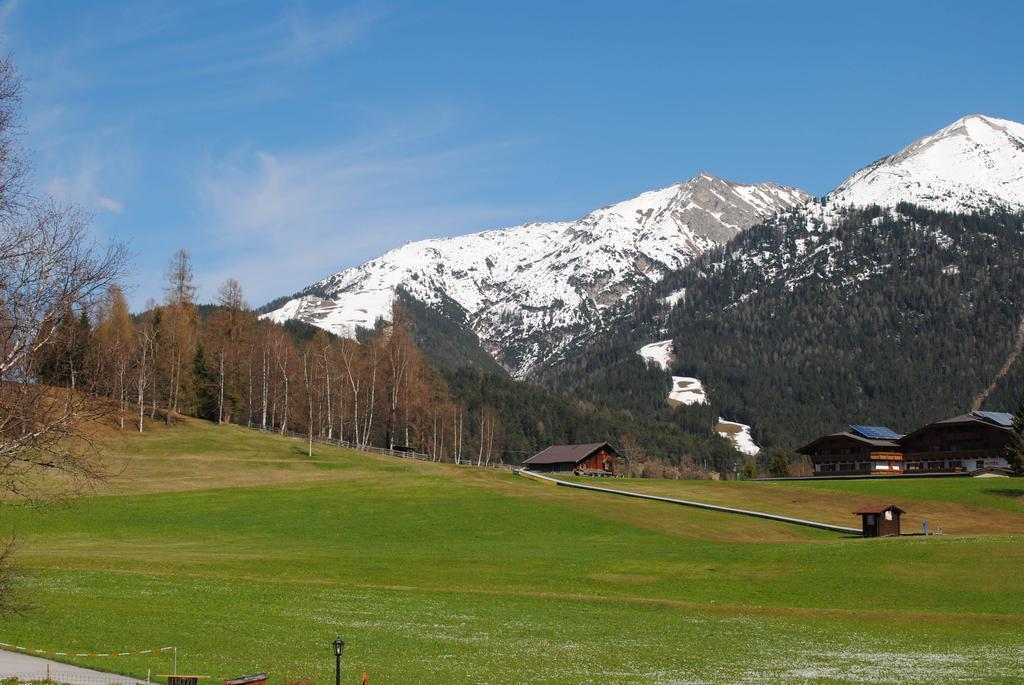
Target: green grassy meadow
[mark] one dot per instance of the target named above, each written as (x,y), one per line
(249,556)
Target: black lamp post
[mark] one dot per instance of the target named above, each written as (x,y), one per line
(339,647)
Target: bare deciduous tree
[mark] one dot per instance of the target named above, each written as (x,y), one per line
(49,269)
(48,266)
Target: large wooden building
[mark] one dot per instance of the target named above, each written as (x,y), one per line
(596,458)
(862,450)
(971,443)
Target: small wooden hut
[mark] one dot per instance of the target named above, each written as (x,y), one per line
(877,523)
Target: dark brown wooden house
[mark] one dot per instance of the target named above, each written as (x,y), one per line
(963,443)
(597,459)
(878,523)
(862,450)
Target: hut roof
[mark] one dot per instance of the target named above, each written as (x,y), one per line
(562,454)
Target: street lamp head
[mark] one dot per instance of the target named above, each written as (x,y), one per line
(339,646)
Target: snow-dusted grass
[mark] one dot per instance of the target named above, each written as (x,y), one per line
(404,635)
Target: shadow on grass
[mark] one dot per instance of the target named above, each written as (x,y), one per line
(1013,493)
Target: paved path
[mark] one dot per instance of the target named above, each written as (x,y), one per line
(687,503)
(28,667)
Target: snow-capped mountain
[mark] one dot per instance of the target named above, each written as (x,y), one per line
(806,293)
(531,292)
(972,164)
(975,163)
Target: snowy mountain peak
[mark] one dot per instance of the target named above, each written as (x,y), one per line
(975,163)
(533,291)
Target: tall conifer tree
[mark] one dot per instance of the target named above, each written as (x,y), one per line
(1015,447)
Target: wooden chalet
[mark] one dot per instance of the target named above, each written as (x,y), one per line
(881,522)
(862,450)
(971,442)
(593,459)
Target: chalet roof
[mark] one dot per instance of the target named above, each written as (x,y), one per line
(875,432)
(990,419)
(873,442)
(880,510)
(1000,418)
(567,454)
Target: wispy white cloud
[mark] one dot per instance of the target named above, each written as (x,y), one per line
(306,37)
(81,179)
(283,219)
(292,39)
(109,204)
(207,70)
(7,8)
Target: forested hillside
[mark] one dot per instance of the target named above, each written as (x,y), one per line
(407,384)
(443,337)
(533,417)
(813,320)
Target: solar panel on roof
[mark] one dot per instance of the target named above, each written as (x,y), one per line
(875,432)
(1000,418)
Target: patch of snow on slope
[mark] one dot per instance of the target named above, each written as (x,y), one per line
(659,353)
(739,434)
(674,298)
(687,390)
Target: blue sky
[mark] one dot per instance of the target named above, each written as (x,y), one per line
(280,142)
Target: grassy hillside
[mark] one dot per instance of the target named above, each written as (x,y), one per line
(248,555)
(969,506)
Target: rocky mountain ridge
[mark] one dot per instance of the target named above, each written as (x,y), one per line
(533,292)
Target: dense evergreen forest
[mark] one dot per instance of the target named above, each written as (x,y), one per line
(798,328)
(533,416)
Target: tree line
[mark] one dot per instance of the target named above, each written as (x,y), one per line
(225,364)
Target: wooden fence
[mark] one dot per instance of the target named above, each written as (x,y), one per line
(401,454)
